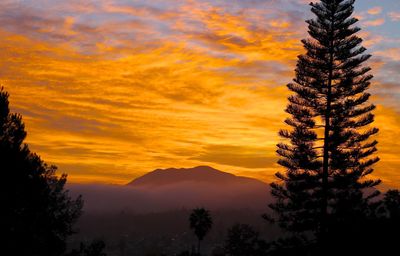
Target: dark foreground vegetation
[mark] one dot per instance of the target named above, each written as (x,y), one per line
(326,203)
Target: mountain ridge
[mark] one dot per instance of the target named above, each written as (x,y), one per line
(198,174)
(176,188)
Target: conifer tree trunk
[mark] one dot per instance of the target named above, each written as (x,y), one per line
(325,164)
(198,247)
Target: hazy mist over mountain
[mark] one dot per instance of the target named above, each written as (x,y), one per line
(153,209)
(171,189)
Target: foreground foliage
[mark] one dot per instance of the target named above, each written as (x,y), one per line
(37,213)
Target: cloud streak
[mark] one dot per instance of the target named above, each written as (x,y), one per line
(110,90)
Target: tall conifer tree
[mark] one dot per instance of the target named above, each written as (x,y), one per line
(329,155)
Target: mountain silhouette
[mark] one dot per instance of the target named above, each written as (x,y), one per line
(199,174)
(173,188)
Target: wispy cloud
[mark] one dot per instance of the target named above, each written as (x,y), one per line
(375,10)
(395,16)
(374,23)
(112,89)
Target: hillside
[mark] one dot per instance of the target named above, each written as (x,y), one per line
(170,189)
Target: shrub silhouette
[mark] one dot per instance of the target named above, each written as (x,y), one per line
(244,240)
(95,248)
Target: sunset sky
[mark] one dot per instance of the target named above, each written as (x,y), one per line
(112,89)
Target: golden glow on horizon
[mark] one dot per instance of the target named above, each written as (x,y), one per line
(120,110)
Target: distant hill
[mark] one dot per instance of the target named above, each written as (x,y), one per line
(199,174)
(171,189)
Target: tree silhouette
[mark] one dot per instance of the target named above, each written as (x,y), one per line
(244,240)
(201,222)
(388,225)
(37,213)
(290,246)
(329,156)
(95,248)
(392,204)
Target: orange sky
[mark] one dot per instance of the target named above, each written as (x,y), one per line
(110,91)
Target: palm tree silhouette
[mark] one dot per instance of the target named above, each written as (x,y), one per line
(201,222)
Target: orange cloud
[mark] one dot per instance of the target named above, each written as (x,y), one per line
(388,121)
(198,85)
(391,53)
(115,114)
(375,11)
(374,23)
